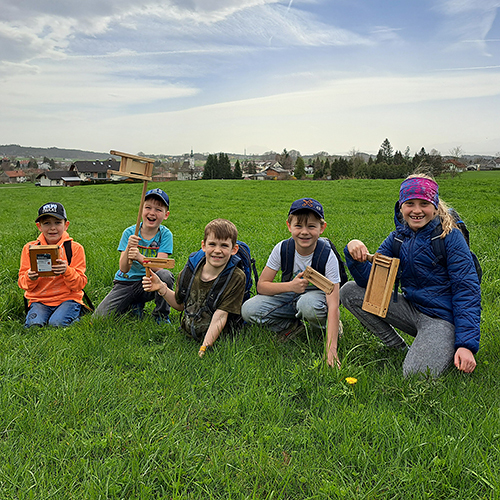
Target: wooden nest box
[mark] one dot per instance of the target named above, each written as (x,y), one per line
(380,284)
(134,166)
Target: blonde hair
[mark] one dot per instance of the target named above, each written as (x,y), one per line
(443,212)
(222,229)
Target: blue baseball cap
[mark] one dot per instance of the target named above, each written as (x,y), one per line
(158,193)
(307,204)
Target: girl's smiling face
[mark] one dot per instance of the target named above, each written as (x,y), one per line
(418,213)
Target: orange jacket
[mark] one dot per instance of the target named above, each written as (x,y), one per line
(54,290)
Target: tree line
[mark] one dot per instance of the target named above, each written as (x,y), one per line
(387,164)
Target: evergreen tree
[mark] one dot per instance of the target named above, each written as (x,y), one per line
(224,170)
(398,158)
(237,173)
(299,168)
(210,169)
(326,168)
(252,168)
(387,151)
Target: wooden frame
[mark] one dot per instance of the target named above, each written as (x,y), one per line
(42,258)
(157,262)
(380,284)
(134,166)
(318,280)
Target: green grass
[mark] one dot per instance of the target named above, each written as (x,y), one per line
(124,408)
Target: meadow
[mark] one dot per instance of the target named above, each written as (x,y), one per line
(123,408)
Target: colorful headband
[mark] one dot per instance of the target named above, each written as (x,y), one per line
(419,188)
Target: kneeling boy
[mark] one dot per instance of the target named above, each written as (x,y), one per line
(219,244)
(54,300)
(282,306)
(153,240)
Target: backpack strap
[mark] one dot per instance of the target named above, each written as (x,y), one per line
(287,258)
(68,249)
(396,250)
(320,256)
(319,260)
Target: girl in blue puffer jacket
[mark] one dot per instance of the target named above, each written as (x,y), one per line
(439,306)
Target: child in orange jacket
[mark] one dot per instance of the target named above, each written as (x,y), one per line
(54,300)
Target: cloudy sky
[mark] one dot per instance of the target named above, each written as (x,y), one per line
(169,76)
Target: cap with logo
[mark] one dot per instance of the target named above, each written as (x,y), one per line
(158,193)
(307,204)
(53,209)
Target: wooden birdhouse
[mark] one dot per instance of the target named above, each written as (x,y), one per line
(134,166)
(380,284)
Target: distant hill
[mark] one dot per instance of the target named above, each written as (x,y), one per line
(8,150)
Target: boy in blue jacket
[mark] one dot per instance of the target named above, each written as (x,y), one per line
(440,305)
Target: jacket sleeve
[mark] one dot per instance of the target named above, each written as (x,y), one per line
(23,281)
(360,271)
(466,292)
(74,277)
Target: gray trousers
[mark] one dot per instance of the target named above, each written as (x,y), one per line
(126,295)
(434,346)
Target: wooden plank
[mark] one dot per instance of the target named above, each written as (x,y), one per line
(133,157)
(319,280)
(380,284)
(158,262)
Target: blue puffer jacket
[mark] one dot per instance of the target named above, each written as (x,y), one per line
(452,293)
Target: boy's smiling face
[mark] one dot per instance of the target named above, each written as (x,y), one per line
(154,212)
(305,232)
(52,228)
(217,251)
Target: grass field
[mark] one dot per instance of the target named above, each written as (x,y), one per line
(125,409)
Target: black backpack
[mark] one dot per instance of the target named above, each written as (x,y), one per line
(438,246)
(320,258)
(87,305)
(241,259)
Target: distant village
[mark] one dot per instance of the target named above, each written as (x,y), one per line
(44,171)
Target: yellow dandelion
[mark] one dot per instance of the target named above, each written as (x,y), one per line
(351,380)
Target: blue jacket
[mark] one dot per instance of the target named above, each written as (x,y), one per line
(452,293)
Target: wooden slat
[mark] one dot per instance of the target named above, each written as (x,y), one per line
(319,280)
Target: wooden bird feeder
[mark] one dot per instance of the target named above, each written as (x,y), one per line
(42,258)
(157,262)
(380,284)
(318,280)
(134,166)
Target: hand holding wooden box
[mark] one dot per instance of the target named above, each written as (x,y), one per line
(43,258)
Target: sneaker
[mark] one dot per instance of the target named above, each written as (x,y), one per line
(163,320)
(294,330)
(137,310)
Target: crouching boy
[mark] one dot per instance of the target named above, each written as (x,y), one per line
(153,240)
(55,300)
(199,321)
(283,307)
